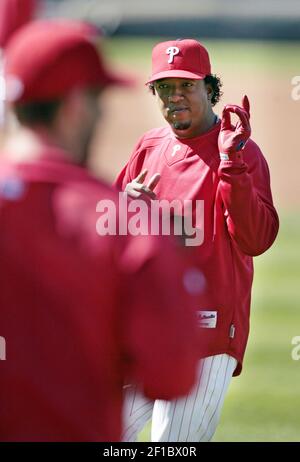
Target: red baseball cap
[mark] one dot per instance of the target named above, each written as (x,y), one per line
(45,60)
(183,58)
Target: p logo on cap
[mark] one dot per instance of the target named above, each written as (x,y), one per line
(188,59)
(172,51)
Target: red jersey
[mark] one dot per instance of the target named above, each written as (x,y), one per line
(240,222)
(81,313)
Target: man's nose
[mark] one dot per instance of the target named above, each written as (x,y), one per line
(175,96)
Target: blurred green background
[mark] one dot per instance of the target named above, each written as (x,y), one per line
(263,403)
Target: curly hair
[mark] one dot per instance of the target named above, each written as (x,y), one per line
(216,84)
(212,80)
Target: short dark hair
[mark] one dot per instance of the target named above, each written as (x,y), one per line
(37,113)
(212,80)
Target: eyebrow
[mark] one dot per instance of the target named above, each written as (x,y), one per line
(169,80)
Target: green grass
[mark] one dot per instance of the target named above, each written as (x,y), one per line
(263,403)
(238,56)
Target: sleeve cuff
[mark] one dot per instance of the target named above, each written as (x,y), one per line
(232,159)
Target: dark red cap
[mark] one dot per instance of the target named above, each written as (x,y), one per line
(185,58)
(45,60)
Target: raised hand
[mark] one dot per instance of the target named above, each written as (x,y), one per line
(233,139)
(138,190)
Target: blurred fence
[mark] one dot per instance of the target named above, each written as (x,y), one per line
(267,19)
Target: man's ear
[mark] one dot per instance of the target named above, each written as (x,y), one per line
(72,105)
(69,118)
(70,113)
(209,91)
(152,88)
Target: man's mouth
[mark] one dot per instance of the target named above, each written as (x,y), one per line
(176,111)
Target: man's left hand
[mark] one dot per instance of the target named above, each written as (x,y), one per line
(233,139)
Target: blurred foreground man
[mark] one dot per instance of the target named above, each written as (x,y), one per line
(81,314)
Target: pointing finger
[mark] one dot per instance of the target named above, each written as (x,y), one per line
(246,104)
(153,181)
(141,176)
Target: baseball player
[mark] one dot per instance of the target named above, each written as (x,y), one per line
(198,156)
(80,313)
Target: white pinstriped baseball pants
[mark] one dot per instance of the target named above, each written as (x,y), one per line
(190,419)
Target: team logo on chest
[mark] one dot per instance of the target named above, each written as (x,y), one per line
(174,152)
(176,148)
(172,51)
